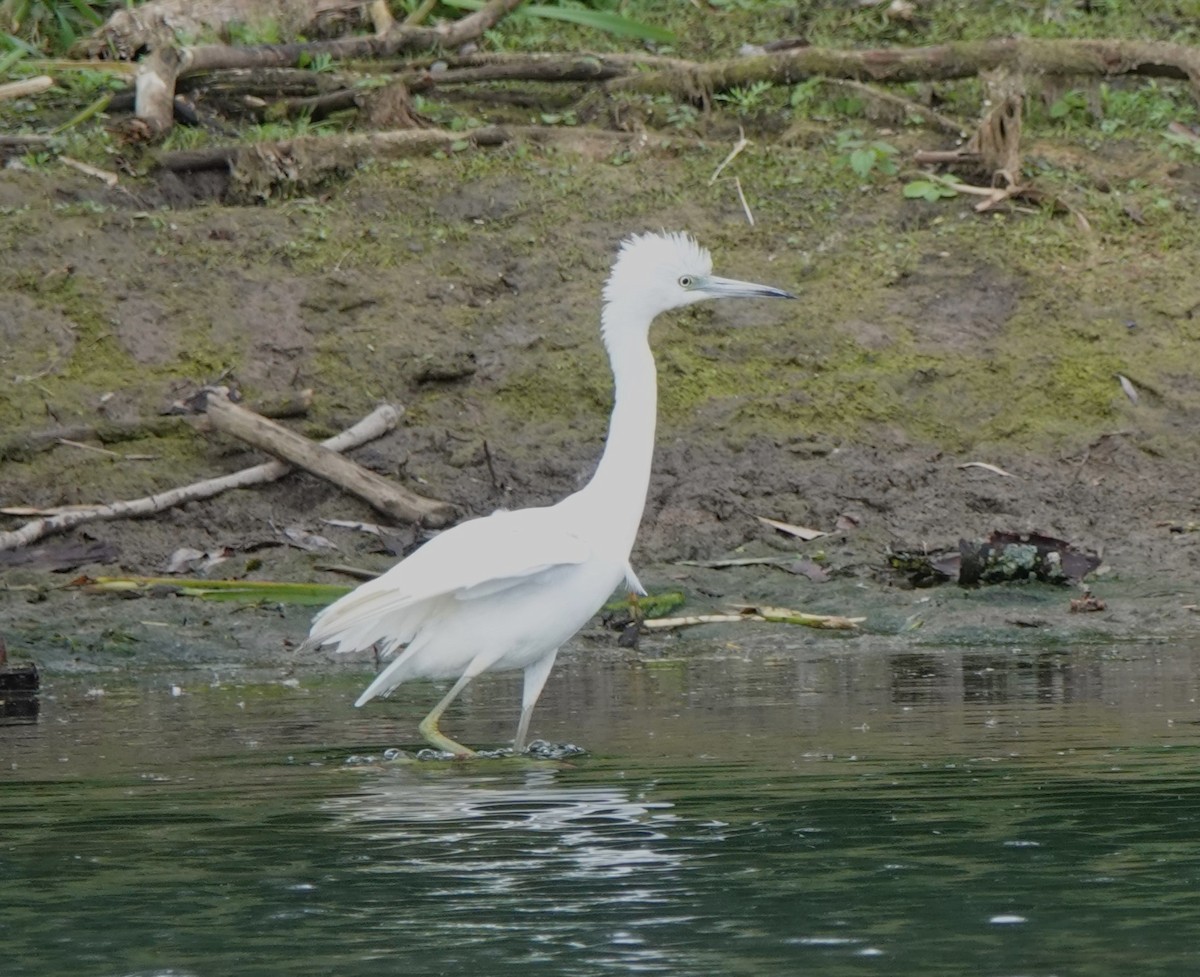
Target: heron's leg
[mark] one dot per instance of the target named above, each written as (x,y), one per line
(429,725)
(535,679)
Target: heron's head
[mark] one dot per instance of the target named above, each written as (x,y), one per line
(657,272)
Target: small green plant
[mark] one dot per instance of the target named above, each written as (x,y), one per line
(49,25)
(1070,107)
(322,62)
(38,160)
(865,157)
(265,31)
(679,115)
(746,99)
(1185,140)
(932,189)
(600,20)
(805,95)
(558,118)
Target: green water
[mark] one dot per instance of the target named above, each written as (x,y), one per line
(825,810)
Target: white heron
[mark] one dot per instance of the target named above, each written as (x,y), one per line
(505,591)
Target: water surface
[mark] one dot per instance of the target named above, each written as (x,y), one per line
(824,808)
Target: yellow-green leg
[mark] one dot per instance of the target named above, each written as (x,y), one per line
(429,725)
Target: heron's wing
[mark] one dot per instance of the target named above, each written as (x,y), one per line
(474,559)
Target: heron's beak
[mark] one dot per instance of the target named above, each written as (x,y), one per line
(731,288)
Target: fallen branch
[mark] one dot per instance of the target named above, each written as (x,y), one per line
(386,496)
(964,59)
(690,79)
(374,425)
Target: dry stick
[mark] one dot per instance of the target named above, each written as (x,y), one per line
(26,86)
(158,72)
(737,184)
(374,425)
(386,496)
(109,178)
(742,143)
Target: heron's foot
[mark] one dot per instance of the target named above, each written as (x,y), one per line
(435,737)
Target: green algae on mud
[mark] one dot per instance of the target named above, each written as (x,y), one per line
(467,288)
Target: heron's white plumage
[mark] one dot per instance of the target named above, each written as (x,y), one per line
(506,590)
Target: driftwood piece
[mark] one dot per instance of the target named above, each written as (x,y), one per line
(963,59)
(386,496)
(650,74)
(374,425)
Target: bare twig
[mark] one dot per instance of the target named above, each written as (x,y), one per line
(737,183)
(742,143)
(994,469)
(26,86)
(107,176)
(90,447)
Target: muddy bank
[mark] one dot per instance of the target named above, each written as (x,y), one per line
(467,290)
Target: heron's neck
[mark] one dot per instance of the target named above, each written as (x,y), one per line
(616,494)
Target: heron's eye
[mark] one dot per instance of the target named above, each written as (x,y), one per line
(685,281)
